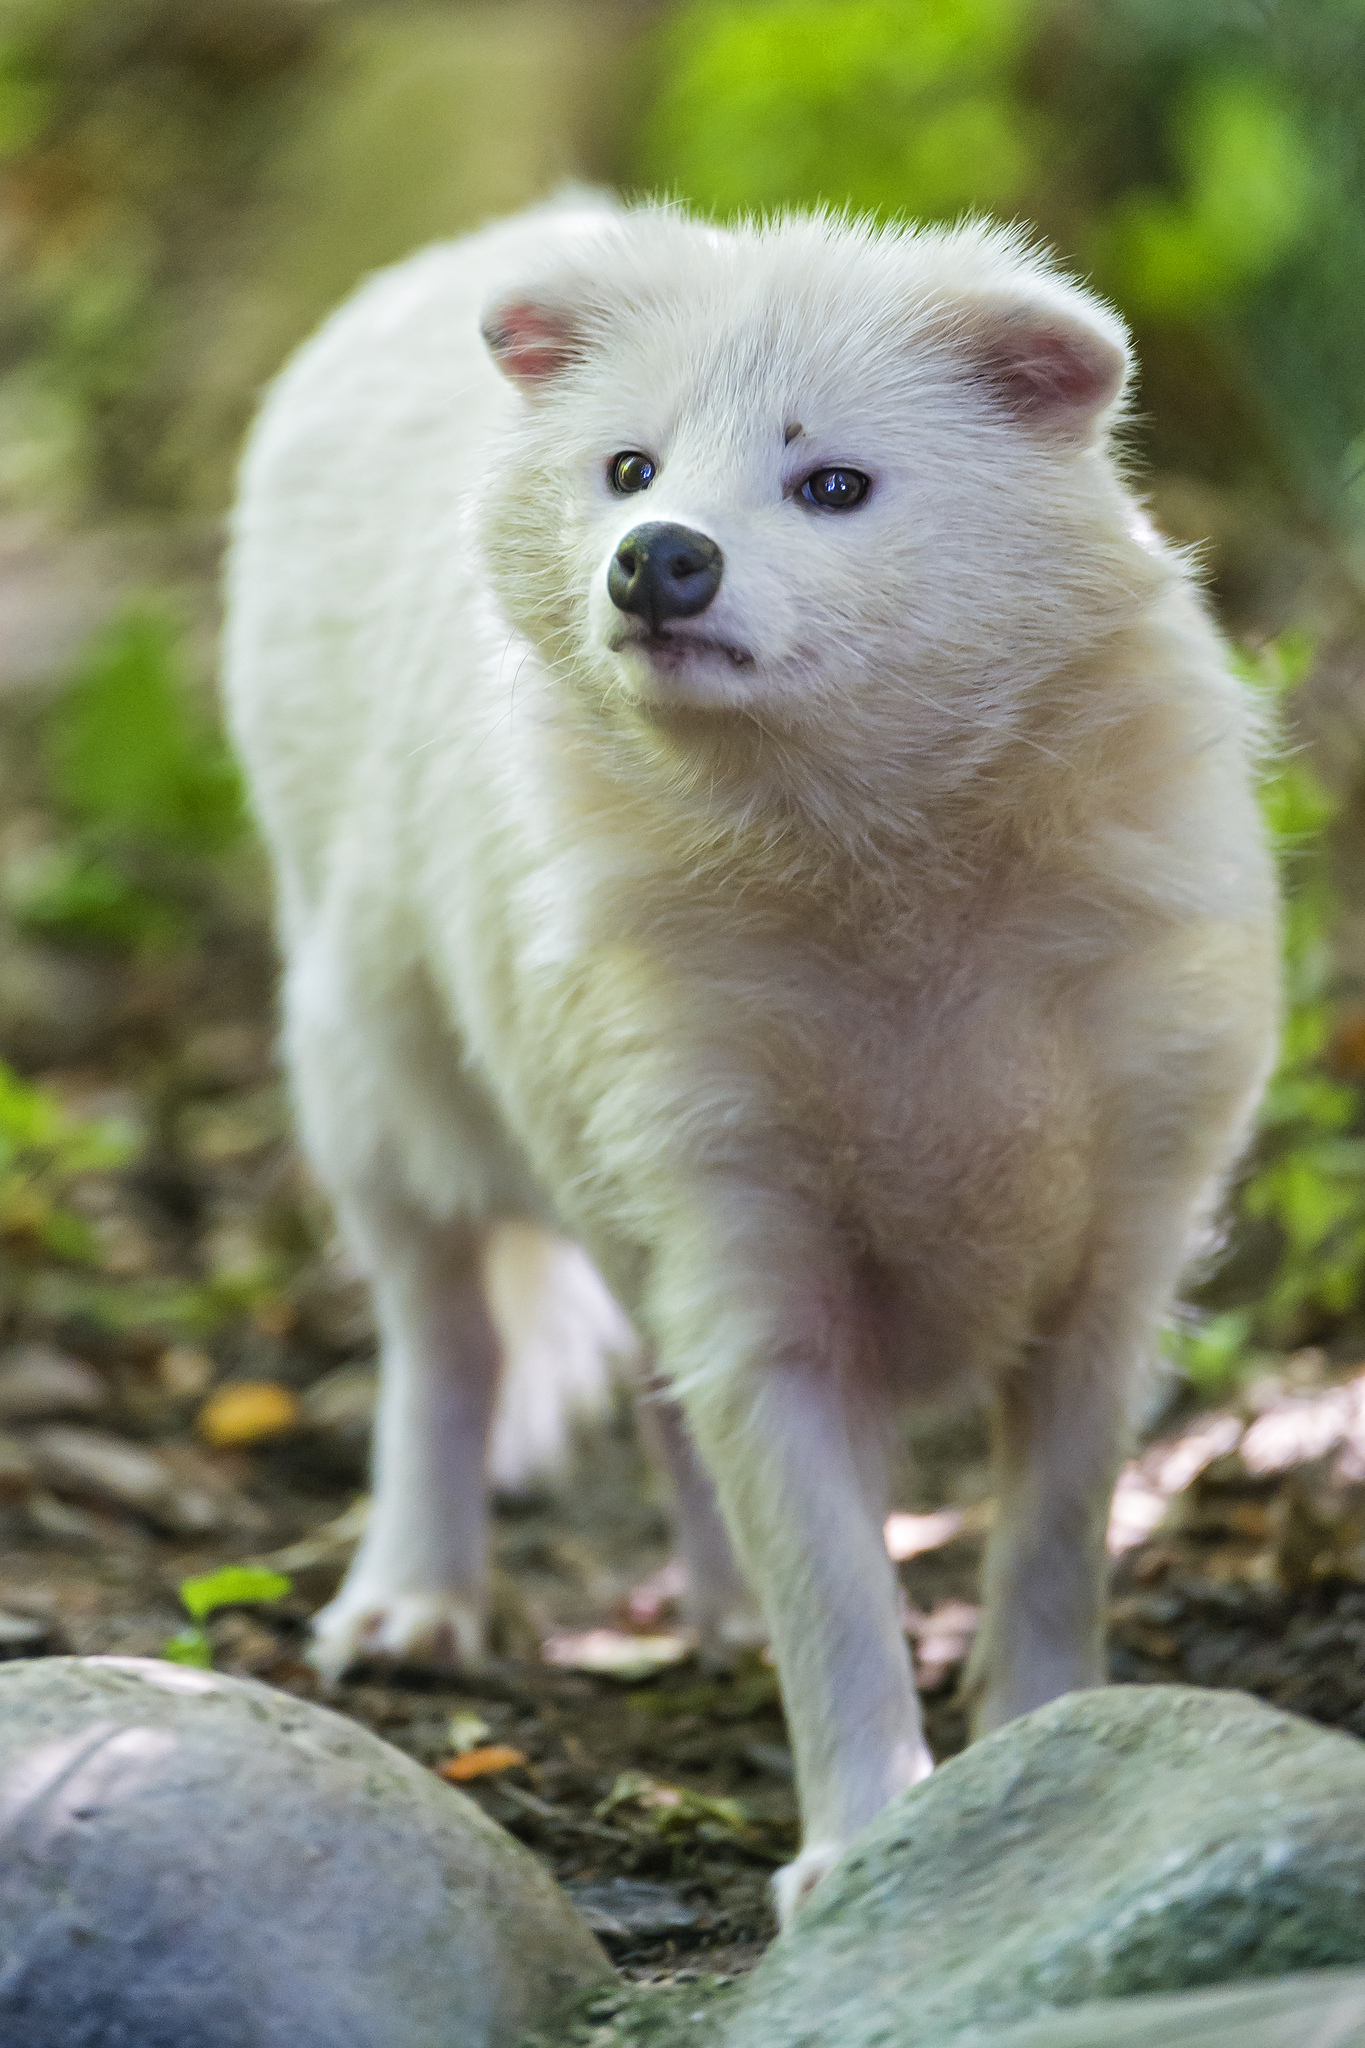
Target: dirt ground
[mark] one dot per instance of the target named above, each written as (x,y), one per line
(665,1800)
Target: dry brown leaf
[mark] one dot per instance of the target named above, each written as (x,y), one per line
(248,1412)
(485,1762)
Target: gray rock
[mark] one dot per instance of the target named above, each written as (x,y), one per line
(620,1909)
(685,2010)
(38,1383)
(337,1419)
(16,1471)
(194,1861)
(1136,1839)
(105,1469)
(28,1635)
(56,1521)
(55,1007)
(1321,2009)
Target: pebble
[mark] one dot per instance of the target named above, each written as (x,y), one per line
(105,1469)
(236,1129)
(627,1908)
(185,1372)
(54,1005)
(26,1635)
(16,1471)
(39,1383)
(333,1302)
(337,1412)
(56,1521)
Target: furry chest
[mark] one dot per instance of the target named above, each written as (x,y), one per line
(906,1112)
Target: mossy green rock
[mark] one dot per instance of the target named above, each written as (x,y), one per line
(1132,1840)
(1318,2009)
(194,1861)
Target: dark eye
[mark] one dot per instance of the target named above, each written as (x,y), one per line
(837,490)
(631,472)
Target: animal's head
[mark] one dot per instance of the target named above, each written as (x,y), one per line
(809,471)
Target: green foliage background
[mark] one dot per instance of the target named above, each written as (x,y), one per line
(1202,161)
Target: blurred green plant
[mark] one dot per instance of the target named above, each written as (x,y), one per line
(884,105)
(1248,187)
(42,1150)
(1302,1197)
(146,786)
(234,1585)
(1205,162)
(132,133)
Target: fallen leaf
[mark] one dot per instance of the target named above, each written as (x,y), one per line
(1347,1052)
(611,1653)
(942,1639)
(248,1412)
(467,1731)
(484,1762)
(1137,1510)
(912,1535)
(656,1598)
(673,1807)
(1147,1485)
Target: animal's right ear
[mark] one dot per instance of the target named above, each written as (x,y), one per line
(530,340)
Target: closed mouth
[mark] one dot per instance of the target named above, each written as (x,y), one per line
(670,650)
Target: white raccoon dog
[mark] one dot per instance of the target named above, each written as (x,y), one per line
(750,795)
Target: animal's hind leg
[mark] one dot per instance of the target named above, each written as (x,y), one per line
(417,1588)
(717,1600)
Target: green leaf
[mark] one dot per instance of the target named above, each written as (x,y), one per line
(236,1585)
(189,1646)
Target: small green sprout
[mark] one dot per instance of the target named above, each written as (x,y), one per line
(236,1585)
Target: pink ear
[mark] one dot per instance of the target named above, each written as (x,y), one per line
(1050,368)
(529,342)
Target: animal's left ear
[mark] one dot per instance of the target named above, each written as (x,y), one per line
(1057,367)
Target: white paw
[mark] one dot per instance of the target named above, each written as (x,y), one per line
(794,1883)
(431,1631)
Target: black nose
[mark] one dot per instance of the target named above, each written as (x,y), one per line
(664,572)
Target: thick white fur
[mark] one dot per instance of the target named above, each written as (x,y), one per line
(879,1001)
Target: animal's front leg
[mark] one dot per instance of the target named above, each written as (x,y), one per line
(784,1418)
